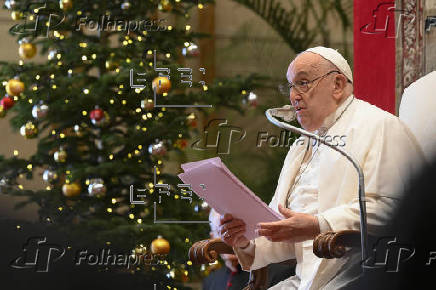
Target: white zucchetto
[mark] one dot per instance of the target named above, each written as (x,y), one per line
(334,57)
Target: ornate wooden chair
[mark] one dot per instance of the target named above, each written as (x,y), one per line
(329,245)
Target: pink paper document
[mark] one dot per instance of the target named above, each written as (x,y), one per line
(212,181)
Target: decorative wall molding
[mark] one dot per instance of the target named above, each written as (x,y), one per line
(409,44)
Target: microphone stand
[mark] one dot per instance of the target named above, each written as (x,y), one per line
(288,114)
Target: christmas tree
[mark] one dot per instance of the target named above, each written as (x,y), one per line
(113,103)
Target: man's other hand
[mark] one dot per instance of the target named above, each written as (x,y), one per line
(296,227)
(232,231)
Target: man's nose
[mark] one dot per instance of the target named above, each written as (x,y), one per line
(294,97)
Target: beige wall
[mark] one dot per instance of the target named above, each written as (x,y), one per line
(11,140)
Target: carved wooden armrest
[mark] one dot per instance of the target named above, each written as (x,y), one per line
(207,251)
(331,245)
(258,279)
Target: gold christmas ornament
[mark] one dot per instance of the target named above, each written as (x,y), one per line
(72,189)
(66,4)
(140,250)
(27,50)
(29,130)
(161,85)
(165,5)
(16,15)
(160,246)
(191,120)
(60,156)
(14,87)
(111,64)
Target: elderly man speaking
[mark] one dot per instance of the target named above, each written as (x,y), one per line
(317,187)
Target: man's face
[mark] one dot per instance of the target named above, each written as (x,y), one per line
(317,103)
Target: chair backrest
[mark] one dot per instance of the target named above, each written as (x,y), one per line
(418,112)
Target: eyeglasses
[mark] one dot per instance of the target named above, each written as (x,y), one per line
(304,86)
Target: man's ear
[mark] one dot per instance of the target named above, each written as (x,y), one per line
(340,83)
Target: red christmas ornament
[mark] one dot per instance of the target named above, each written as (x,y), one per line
(181,143)
(96,114)
(7,102)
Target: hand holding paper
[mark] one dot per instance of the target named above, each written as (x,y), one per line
(232,231)
(212,181)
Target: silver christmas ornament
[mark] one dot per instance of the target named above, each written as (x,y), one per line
(125,5)
(157,149)
(60,156)
(4,183)
(78,130)
(96,187)
(11,4)
(252,97)
(99,144)
(52,54)
(191,50)
(250,100)
(147,104)
(39,111)
(49,175)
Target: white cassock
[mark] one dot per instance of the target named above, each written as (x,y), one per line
(326,185)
